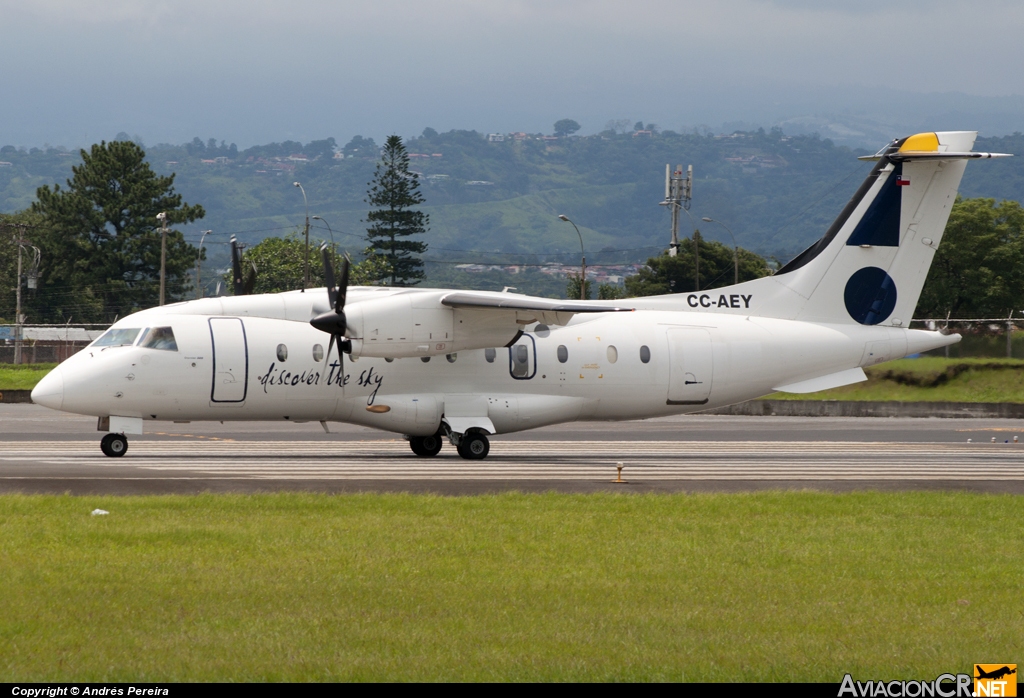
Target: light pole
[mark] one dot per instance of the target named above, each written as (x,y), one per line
(199,286)
(19,319)
(162,217)
(583,262)
(305,275)
(324,221)
(735,250)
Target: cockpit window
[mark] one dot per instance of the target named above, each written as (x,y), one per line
(118,337)
(159,338)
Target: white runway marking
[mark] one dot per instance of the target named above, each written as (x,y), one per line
(535,460)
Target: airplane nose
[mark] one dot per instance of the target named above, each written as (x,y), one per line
(49,392)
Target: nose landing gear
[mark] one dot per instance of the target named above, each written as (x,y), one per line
(114,445)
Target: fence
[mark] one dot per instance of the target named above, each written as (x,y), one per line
(47,343)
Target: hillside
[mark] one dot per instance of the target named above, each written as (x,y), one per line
(498,201)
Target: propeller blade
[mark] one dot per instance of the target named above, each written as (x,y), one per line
(236,268)
(339,303)
(332,292)
(341,360)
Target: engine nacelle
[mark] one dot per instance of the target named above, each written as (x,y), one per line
(416,324)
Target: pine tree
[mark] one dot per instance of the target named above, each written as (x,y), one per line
(394,192)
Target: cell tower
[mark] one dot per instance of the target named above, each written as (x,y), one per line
(678,193)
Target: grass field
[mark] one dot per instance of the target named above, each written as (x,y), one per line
(932,379)
(22,376)
(768,586)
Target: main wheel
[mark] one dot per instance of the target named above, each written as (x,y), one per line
(426,445)
(474,446)
(114,445)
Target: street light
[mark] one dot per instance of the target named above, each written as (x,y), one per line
(305,274)
(324,221)
(199,286)
(735,250)
(162,217)
(583,262)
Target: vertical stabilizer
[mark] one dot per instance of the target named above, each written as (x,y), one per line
(871,264)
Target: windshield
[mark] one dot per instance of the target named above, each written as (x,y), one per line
(118,337)
(159,338)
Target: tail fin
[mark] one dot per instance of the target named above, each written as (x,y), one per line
(871,264)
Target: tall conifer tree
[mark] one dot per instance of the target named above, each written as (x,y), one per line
(393,193)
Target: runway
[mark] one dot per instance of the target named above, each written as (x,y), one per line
(697,453)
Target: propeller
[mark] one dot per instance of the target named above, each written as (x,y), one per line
(242,284)
(333,321)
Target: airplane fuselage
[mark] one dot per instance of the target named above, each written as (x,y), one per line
(600,367)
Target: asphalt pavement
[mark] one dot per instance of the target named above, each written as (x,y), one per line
(46,451)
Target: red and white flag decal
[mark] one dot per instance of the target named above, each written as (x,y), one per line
(902,181)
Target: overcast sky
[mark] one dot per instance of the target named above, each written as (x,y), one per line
(73,72)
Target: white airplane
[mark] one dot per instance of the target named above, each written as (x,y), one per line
(465,365)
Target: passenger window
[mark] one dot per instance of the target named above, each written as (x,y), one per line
(282,353)
(645,354)
(318,353)
(563,354)
(118,338)
(159,338)
(490,354)
(613,354)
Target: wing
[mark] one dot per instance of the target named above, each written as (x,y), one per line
(528,308)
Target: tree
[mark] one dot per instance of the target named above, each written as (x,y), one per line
(280,264)
(566,127)
(360,147)
(394,191)
(101,244)
(572,289)
(978,270)
(665,274)
(610,292)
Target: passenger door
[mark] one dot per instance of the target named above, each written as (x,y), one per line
(230,361)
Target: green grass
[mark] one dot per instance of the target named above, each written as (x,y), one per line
(22,376)
(768,586)
(932,379)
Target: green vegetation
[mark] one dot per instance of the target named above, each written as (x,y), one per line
(22,376)
(717,263)
(288,587)
(280,263)
(979,268)
(394,193)
(932,379)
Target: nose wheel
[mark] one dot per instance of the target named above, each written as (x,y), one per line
(114,445)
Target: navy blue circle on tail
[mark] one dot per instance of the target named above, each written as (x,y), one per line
(870,295)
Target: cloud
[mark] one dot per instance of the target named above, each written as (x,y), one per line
(324,67)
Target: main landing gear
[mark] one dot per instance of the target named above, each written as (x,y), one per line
(474,446)
(426,446)
(471,446)
(114,445)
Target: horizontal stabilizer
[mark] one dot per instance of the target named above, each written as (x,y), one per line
(906,156)
(832,380)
